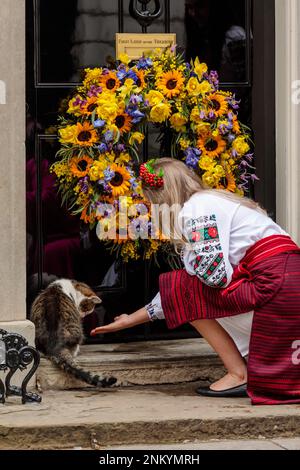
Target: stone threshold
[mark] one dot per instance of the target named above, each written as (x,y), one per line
(138,415)
(139,363)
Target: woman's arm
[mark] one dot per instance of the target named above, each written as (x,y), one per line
(123,321)
(152,311)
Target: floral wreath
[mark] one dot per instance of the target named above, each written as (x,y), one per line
(104,125)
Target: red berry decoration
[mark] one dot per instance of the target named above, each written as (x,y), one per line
(149,177)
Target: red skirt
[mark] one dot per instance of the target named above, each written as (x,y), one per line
(271,288)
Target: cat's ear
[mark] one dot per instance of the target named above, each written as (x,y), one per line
(96,299)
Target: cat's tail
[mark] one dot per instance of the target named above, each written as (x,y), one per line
(65,361)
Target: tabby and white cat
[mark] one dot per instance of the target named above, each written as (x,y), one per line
(57,313)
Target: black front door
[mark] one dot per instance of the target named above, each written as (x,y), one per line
(234,37)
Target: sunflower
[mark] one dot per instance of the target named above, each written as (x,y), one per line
(80,166)
(86,134)
(123,123)
(217,103)
(140,83)
(170,83)
(211,146)
(229,182)
(109,81)
(120,182)
(90,106)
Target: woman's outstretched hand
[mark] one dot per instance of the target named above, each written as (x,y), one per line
(120,323)
(123,321)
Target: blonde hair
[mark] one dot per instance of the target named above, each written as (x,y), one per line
(180,183)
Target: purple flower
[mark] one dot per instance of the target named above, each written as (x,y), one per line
(136,115)
(105,186)
(133,183)
(225,128)
(94,91)
(99,123)
(213,78)
(192,157)
(144,63)
(254,178)
(230,138)
(79,101)
(103,147)
(84,184)
(108,174)
(135,99)
(131,74)
(121,148)
(108,136)
(234,103)
(121,75)
(139,228)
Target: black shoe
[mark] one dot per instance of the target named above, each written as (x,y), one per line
(240,391)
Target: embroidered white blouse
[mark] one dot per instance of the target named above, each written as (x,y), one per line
(219,232)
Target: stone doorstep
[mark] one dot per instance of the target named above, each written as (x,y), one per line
(139,363)
(164,414)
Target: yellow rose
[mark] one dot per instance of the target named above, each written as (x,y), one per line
(108,107)
(202,129)
(178,121)
(68,135)
(206,163)
(225,156)
(96,170)
(154,97)
(160,112)
(193,86)
(240,145)
(205,87)
(219,171)
(195,115)
(136,137)
(208,179)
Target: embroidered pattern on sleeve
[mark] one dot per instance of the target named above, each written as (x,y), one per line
(208,263)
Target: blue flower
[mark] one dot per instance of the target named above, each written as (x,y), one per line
(131,74)
(99,123)
(109,136)
(230,138)
(144,63)
(135,99)
(136,115)
(192,157)
(133,183)
(103,147)
(121,74)
(108,174)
